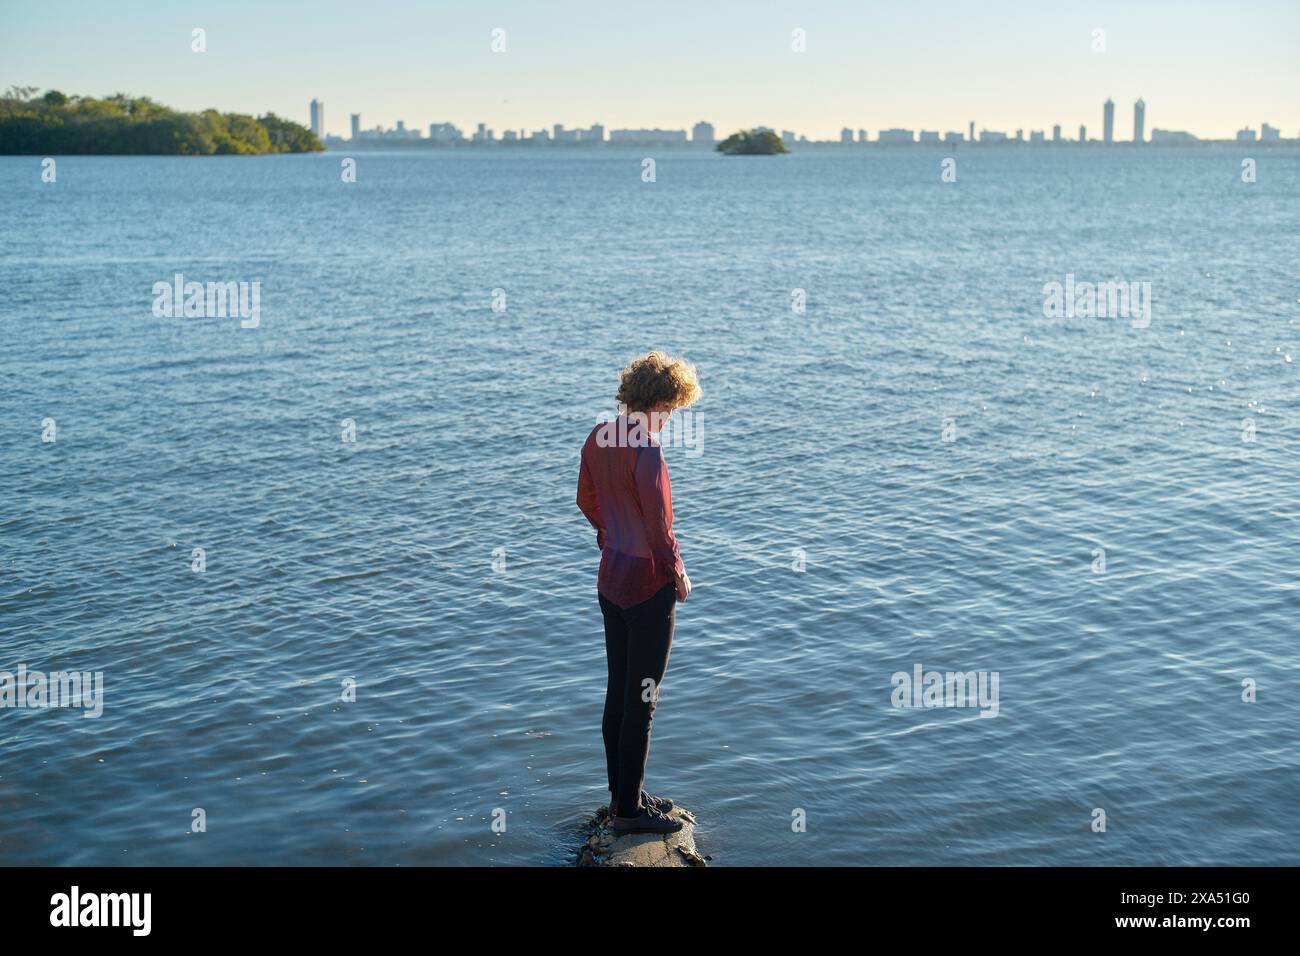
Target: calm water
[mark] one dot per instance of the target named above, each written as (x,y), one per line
(480,689)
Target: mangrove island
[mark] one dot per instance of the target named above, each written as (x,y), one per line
(752,142)
(123,125)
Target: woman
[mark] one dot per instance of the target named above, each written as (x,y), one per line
(624,492)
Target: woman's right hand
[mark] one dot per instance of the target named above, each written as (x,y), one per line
(683,583)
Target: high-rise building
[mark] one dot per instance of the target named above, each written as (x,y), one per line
(1139,120)
(971,136)
(1269,134)
(356,125)
(895,136)
(1108,121)
(1083,133)
(1056,133)
(846,136)
(444,133)
(702,133)
(318,118)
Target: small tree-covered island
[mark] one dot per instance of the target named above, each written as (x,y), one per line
(55,124)
(751,142)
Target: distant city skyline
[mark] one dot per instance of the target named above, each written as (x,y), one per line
(704,133)
(812,67)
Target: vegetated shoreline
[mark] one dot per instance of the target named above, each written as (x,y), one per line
(121,125)
(753,142)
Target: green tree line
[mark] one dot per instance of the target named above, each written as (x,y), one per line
(752,142)
(55,124)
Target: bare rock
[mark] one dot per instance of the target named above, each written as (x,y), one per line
(640,849)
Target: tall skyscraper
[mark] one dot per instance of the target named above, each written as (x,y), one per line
(702,133)
(1056,133)
(356,125)
(1108,121)
(318,118)
(971,137)
(1083,133)
(561,135)
(1139,120)
(444,133)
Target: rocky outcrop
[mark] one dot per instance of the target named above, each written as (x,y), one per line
(604,847)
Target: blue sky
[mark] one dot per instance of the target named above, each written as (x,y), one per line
(1209,68)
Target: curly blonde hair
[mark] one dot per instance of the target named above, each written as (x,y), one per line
(658,379)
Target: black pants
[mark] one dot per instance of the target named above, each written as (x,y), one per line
(637,642)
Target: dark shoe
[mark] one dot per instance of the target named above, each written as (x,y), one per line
(650,821)
(662,804)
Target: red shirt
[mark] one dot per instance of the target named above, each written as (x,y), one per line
(623,490)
